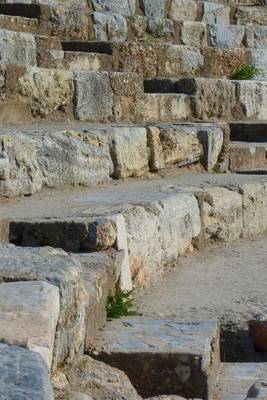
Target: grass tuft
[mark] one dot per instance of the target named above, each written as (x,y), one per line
(245,72)
(120,304)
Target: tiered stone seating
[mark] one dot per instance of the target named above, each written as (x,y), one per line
(97,91)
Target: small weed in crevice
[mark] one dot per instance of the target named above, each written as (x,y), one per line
(217,169)
(120,304)
(245,72)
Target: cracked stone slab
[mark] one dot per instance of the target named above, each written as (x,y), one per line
(162,356)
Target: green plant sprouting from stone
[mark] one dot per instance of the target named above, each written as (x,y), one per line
(245,72)
(120,304)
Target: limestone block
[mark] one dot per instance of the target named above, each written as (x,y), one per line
(93,96)
(152,229)
(260,37)
(179,60)
(138,26)
(247,156)
(100,381)
(160,27)
(222,214)
(254,208)
(123,7)
(128,147)
(154,8)
(110,27)
(46,89)
(194,34)
(212,140)
(259,60)
(214,13)
(102,235)
(183,10)
(170,356)
(17,48)
(32,160)
(225,36)
(29,313)
(138,58)
(252,98)
(127,92)
(164,108)
(246,15)
(24,374)
(180,146)
(62,271)
(212,98)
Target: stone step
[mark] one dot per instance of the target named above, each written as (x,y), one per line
(20,9)
(235,379)
(248,156)
(110,216)
(21,24)
(162,356)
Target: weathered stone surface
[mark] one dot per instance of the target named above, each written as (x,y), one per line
(28,313)
(194,34)
(183,10)
(99,380)
(123,7)
(259,60)
(138,58)
(156,159)
(61,270)
(213,98)
(154,8)
(179,60)
(164,108)
(222,214)
(246,15)
(24,374)
(260,37)
(162,356)
(161,27)
(254,208)
(214,13)
(247,156)
(252,98)
(93,96)
(212,140)
(225,36)
(157,244)
(32,160)
(128,148)
(47,90)
(110,27)
(17,48)
(258,390)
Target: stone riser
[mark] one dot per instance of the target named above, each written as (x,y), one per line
(245,157)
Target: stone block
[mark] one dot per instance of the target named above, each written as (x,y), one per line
(93,97)
(222,214)
(47,90)
(225,36)
(194,34)
(246,15)
(214,13)
(4,230)
(154,8)
(138,58)
(179,61)
(254,208)
(258,390)
(259,60)
(24,374)
(247,156)
(17,48)
(212,140)
(252,98)
(162,356)
(260,37)
(183,10)
(61,270)
(29,313)
(164,108)
(129,152)
(161,27)
(123,7)
(212,98)
(156,159)
(110,27)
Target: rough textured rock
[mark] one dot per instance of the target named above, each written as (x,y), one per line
(258,390)
(179,60)
(61,270)
(17,48)
(28,313)
(259,60)
(110,27)
(161,27)
(99,380)
(129,152)
(183,10)
(36,159)
(252,98)
(194,34)
(47,90)
(123,7)
(162,356)
(24,374)
(214,13)
(225,36)
(154,8)
(212,140)
(222,214)
(93,96)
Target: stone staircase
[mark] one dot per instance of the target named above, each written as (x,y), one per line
(118,121)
